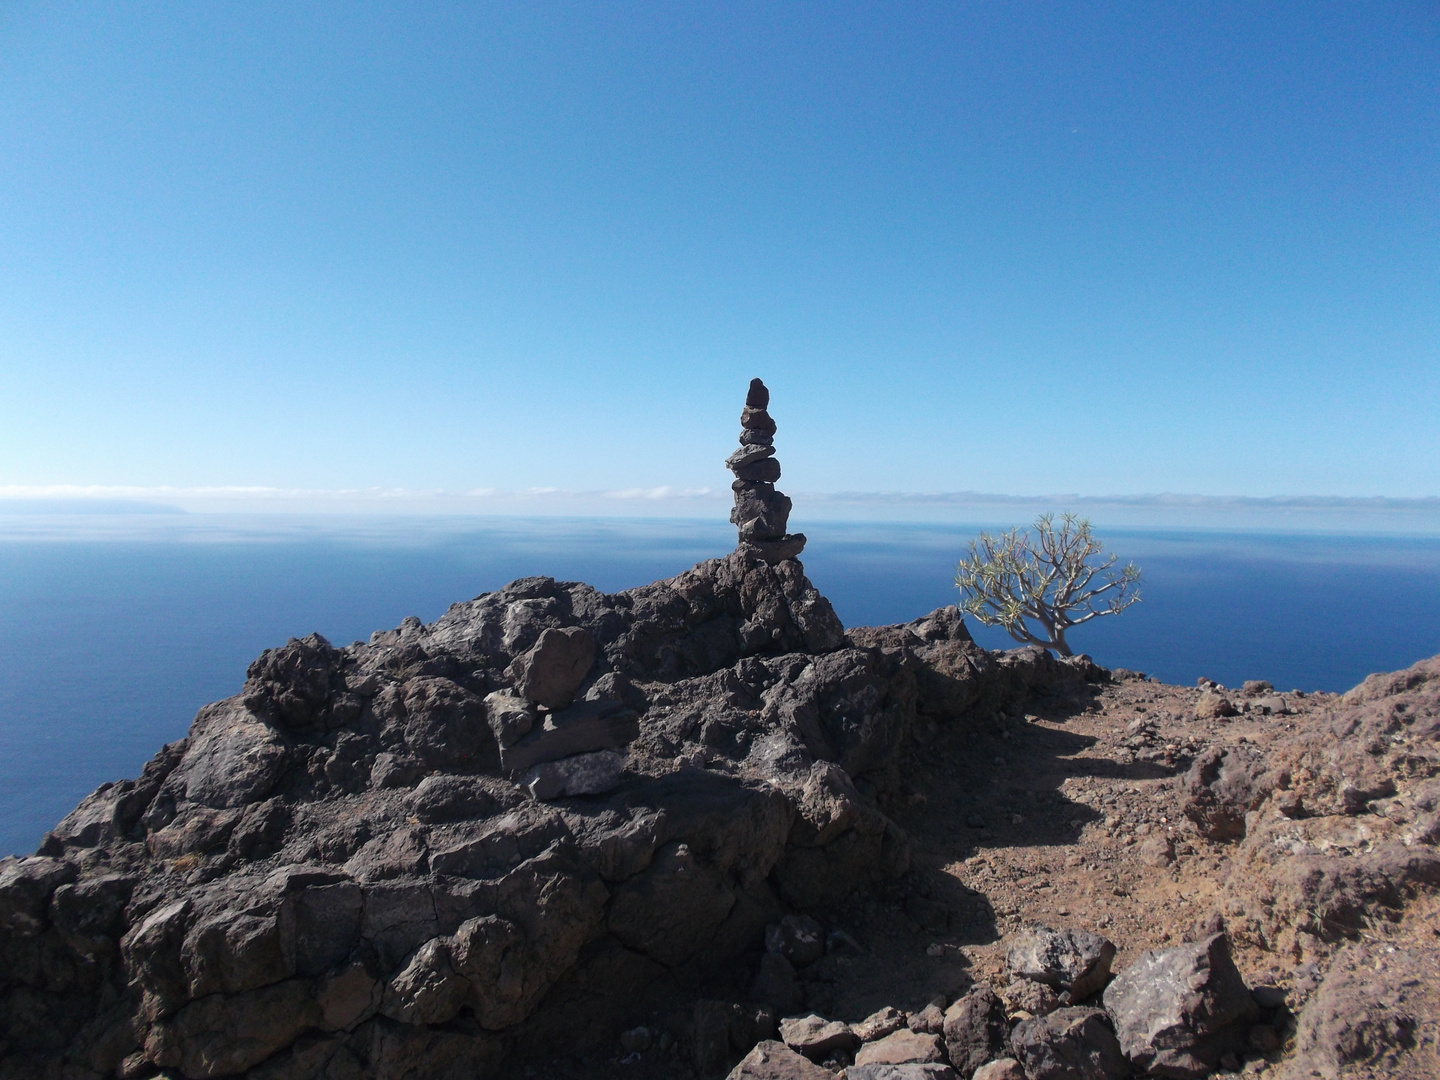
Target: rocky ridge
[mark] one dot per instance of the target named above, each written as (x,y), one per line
(698,827)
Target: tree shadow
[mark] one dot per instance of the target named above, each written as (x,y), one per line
(988,785)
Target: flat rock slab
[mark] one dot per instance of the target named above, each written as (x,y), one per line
(775,1061)
(585,726)
(814,1036)
(900,1048)
(879,1024)
(584,774)
(1072,960)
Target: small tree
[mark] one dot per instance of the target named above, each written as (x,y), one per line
(1053,577)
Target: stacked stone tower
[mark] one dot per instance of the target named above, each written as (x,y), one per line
(761,513)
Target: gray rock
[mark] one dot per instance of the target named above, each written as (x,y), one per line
(747,455)
(26,885)
(757,396)
(1177,1011)
(555,666)
(798,938)
(975,1029)
(583,727)
(756,438)
(775,1061)
(1069,1044)
(814,1036)
(511,716)
(671,910)
(775,551)
(764,470)
(220,1035)
(914,1070)
(929,1020)
(760,512)
(1070,960)
(583,774)
(756,420)
(444,798)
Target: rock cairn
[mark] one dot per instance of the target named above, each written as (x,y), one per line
(761,513)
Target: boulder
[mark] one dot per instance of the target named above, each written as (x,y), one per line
(553,668)
(1177,1011)
(1223,785)
(900,1048)
(1076,962)
(1212,705)
(929,1020)
(583,774)
(814,1036)
(1069,1044)
(771,1060)
(975,1029)
(511,716)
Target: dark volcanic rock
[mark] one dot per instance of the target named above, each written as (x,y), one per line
(1179,1010)
(975,1029)
(1074,961)
(337,873)
(1069,1044)
(760,512)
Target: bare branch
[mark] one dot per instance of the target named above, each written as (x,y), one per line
(1048,577)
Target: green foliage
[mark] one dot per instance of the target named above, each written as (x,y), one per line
(1053,577)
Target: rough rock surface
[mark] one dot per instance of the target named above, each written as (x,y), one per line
(1069,1044)
(1075,962)
(338,875)
(761,513)
(421,847)
(1178,1011)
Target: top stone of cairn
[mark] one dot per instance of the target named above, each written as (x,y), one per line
(761,513)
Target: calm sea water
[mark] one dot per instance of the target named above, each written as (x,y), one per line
(113,632)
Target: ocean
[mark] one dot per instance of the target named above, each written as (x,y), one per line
(114,629)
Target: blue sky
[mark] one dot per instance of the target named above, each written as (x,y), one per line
(1014,248)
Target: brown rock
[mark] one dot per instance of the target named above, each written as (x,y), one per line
(775,1061)
(879,1024)
(814,1036)
(901,1047)
(1213,705)
(1003,1069)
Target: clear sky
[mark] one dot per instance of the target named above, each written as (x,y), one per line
(1017,248)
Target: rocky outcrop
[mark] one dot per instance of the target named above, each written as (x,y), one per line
(415,854)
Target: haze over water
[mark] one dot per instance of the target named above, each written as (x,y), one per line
(113,631)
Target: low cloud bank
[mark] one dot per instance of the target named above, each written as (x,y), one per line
(1281,512)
